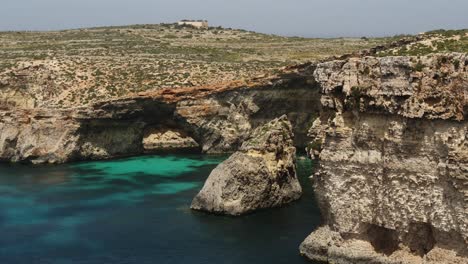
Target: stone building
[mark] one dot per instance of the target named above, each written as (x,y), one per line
(195,23)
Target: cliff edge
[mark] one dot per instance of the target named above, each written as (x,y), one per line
(392,183)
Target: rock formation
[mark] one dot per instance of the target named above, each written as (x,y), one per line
(262,174)
(222,121)
(392,141)
(40,137)
(167,139)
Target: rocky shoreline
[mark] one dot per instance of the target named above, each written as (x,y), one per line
(390,134)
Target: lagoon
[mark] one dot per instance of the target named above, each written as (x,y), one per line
(136,211)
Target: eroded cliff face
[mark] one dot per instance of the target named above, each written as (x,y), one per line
(41,136)
(223,121)
(57,136)
(213,118)
(392,141)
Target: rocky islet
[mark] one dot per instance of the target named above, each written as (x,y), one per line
(262,174)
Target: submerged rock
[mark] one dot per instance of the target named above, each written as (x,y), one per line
(262,174)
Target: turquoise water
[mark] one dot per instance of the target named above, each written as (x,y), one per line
(136,210)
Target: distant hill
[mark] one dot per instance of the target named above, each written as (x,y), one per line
(437,41)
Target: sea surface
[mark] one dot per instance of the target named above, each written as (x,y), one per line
(136,211)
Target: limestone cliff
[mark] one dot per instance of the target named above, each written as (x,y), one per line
(37,137)
(262,174)
(214,118)
(392,141)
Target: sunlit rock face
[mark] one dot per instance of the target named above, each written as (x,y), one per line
(262,174)
(155,139)
(393,147)
(46,136)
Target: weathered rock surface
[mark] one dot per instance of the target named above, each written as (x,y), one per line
(430,87)
(42,137)
(262,174)
(222,121)
(392,141)
(167,139)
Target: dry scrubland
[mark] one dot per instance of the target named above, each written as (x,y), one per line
(438,41)
(78,67)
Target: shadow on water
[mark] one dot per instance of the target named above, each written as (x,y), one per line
(136,210)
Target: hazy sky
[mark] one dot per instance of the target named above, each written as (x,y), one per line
(319,18)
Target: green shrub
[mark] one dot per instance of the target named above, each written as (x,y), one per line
(170,36)
(355,95)
(315,145)
(419,67)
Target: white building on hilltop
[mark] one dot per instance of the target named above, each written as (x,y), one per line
(194,23)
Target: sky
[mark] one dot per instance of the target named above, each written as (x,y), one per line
(307,18)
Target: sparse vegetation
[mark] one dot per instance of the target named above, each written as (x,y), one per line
(437,41)
(315,145)
(355,95)
(76,67)
(419,67)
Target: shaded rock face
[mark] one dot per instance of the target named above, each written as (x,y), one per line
(262,174)
(53,136)
(105,139)
(392,141)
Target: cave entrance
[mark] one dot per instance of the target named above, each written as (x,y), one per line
(420,238)
(383,240)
